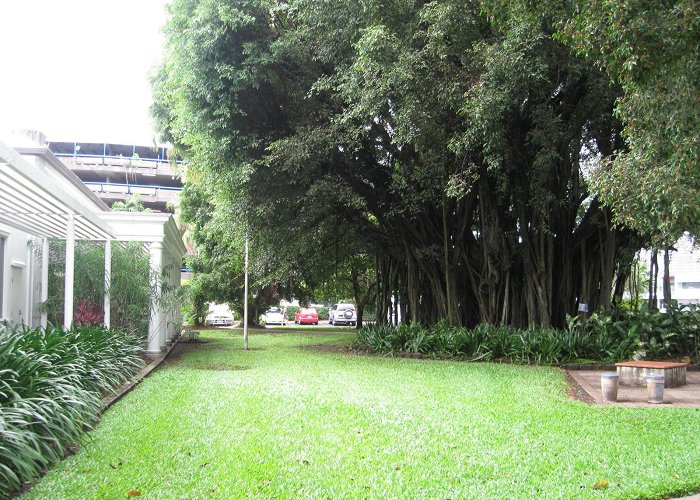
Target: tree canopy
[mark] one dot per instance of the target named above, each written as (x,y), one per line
(447,151)
(652,49)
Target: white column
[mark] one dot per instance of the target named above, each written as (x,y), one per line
(29,287)
(108,276)
(156,330)
(176,283)
(168,313)
(44,280)
(175,306)
(70,260)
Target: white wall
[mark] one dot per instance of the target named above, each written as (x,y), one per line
(684,271)
(19,259)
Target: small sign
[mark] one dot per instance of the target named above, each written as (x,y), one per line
(583,308)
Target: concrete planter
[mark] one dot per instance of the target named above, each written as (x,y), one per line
(655,389)
(608,385)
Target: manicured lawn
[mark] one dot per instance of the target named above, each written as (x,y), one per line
(284,421)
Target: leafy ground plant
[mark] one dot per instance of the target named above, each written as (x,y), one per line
(621,336)
(297,416)
(51,383)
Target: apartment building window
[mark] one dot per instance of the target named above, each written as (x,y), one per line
(690,285)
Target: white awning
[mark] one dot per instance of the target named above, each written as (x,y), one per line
(40,204)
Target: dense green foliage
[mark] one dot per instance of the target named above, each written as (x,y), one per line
(292,421)
(51,384)
(449,146)
(131,290)
(450,143)
(652,49)
(302,269)
(603,339)
(131,203)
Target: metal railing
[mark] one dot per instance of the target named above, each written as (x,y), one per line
(161,154)
(124,188)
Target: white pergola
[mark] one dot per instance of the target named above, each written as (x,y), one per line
(165,247)
(42,197)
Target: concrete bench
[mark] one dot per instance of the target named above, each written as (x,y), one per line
(634,373)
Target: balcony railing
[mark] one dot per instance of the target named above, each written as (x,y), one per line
(141,189)
(106,151)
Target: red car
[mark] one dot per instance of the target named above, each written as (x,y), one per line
(307,316)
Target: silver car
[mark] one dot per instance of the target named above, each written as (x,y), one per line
(342,314)
(219,319)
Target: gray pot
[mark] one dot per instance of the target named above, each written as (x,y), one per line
(608,386)
(655,389)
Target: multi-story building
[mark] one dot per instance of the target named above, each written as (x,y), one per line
(684,272)
(114,170)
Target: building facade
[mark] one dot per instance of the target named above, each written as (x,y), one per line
(40,198)
(114,171)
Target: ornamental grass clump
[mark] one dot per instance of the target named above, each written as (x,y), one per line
(51,388)
(623,335)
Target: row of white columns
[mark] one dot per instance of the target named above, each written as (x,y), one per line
(162,323)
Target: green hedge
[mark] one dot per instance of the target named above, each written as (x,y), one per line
(622,336)
(51,388)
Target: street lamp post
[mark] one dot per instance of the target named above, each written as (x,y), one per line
(245,298)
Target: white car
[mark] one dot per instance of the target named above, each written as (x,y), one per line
(274,316)
(219,319)
(342,314)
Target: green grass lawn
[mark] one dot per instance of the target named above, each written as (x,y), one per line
(285,421)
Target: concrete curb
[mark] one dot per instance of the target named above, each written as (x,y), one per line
(122,391)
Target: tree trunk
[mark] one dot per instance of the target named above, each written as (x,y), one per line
(449,288)
(412,285)
(667,279)
(653,279)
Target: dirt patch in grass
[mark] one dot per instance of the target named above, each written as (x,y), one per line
(220,367)
(185,346)
(336,349)
(213,347)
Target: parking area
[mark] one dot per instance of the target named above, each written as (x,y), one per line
(322,325)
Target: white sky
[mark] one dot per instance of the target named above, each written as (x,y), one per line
(77,70)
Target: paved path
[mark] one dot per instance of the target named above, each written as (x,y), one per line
(685,396)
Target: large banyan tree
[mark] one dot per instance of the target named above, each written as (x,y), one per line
(453,141)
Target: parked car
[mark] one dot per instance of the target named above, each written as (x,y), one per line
(219,319)
(342,314)
(274,316)
(306,316)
